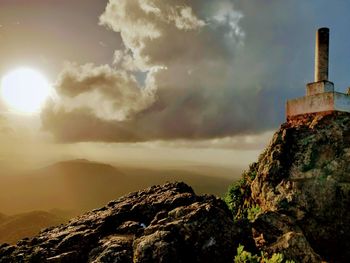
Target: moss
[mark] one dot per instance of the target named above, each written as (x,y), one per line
(307,140)
(311,163)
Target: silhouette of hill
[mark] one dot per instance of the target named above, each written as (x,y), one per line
(82,185)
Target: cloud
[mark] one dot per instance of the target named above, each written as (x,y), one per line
(110,94)
(189,70)
(247,142)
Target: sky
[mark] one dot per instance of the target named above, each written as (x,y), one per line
(162,81)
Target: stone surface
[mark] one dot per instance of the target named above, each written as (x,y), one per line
(320,95)
(321,102)
(166,223)
(322,54)
(304,176)
(278,233)
(319,87)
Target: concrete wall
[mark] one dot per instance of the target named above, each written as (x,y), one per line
(319,87)
(328,101)
(309,104)
(341,102)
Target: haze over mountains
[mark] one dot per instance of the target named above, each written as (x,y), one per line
(36,199)
(80,185)
(16,227)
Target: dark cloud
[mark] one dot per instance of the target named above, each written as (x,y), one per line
(213,69)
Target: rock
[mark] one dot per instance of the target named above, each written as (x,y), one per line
(166,223)
(277,233)
(304,174)
(191,234)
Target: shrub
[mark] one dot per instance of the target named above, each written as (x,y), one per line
(238,196)
(252,212)
(244,256)
(235,196)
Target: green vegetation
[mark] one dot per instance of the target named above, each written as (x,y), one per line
(238,195)
(238,198)
(253,212)
(235,197)
(247,257)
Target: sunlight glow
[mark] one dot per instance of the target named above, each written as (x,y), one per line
(25,90)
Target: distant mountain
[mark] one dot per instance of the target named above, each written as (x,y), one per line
(81,185)
(79,165)
(14,228)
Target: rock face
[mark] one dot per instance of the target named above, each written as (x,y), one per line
(301,185)
(277,233)
(295,200)
(166,223)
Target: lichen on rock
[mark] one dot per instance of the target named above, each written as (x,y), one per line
(304,174)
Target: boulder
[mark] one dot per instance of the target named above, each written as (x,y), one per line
(168,223)
(278,233)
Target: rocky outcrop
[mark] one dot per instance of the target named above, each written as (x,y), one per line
(303,177)
(166,223)
(278,233)
(295,201)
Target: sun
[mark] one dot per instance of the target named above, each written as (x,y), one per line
(25,90)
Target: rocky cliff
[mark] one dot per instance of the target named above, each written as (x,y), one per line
(166,223)
(294,201)
(297,196)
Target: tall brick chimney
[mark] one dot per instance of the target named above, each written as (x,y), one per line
(322,54)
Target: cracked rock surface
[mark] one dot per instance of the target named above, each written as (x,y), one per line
(168,223)
(301,184)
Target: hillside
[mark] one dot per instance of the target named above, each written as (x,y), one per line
(16,227)
(81,185)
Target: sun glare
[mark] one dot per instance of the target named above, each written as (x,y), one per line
(25,90)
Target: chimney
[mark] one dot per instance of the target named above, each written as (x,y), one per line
(322,54)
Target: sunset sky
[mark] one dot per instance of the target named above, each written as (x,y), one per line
(162,81)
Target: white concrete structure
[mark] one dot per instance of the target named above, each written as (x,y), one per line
(320,95)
